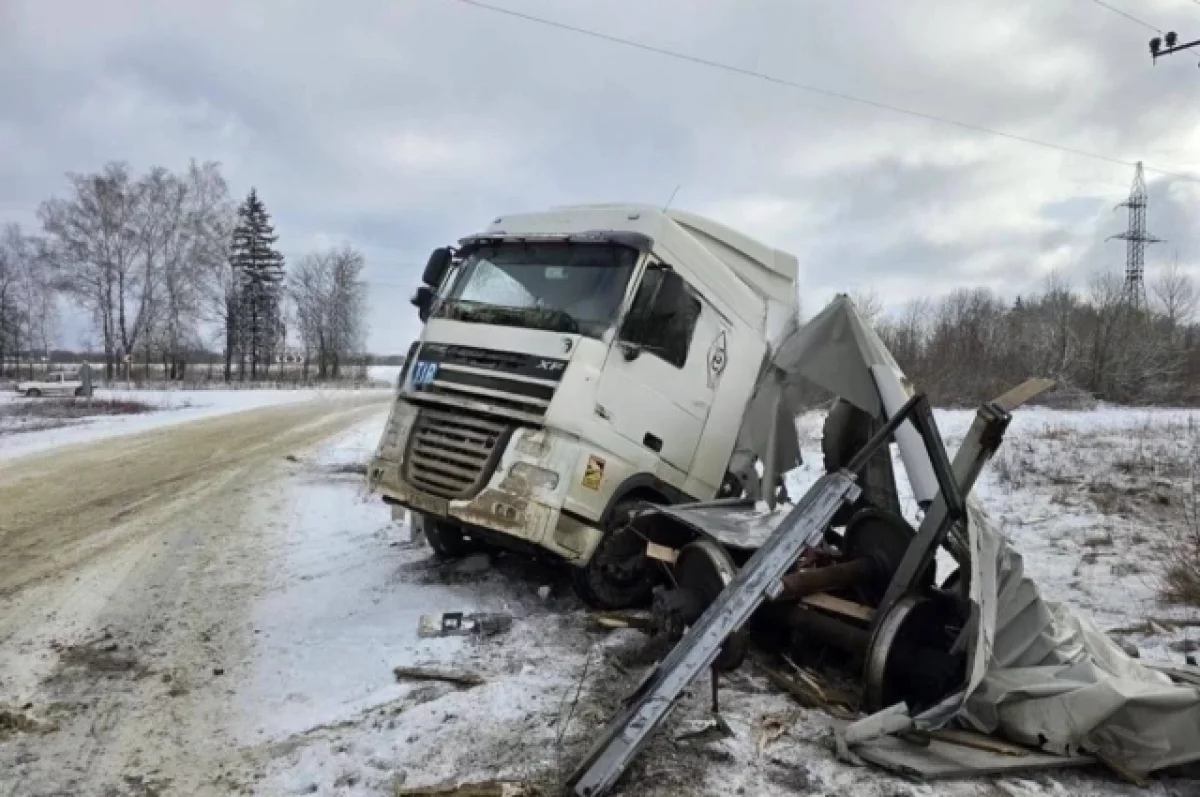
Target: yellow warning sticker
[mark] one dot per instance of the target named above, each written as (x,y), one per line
(594,473)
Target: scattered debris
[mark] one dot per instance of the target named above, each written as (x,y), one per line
(772,726)
(15,720)
(939,759)
(808,694)
(709,729)
(463,624)
(467,679)
(292,458)
(493,788)
(544,592)
(631,618)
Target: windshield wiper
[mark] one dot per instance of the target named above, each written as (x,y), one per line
(483,313)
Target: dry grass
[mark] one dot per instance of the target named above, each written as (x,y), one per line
(37,414)
(71,408)
(1180,581)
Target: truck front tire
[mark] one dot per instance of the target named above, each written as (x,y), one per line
(445,539)
(618,576)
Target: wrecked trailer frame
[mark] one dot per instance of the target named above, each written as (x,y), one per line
(762,579)
(1035,673)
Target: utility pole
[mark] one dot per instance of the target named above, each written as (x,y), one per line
(1171,40)
(1137,238)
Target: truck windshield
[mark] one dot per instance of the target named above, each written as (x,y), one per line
(574,288)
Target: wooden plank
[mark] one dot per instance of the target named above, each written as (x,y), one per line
(431,674)
(979,741)
(1027,390)
(661,552)
(941,760)
(835,605)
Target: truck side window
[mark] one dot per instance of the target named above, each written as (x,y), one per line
(662,321)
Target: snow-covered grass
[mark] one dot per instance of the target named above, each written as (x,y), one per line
(169,407)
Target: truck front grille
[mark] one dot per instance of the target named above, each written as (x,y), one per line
(453,455)
(510,385)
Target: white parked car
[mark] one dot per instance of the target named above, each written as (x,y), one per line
(58,384)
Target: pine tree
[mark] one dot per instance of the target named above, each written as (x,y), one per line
(258,271)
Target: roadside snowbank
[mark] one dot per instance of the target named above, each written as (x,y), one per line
(173,406)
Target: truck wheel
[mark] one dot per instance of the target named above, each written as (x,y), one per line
(33,392)
(618,576)
(79,392)
(446,539)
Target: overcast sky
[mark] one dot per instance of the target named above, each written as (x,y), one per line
(401,125)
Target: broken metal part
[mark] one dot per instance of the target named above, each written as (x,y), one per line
(492,788)
(463,624)
(976,449)
(703,730)
(756,582)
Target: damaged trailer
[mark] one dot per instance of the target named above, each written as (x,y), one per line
(843,569)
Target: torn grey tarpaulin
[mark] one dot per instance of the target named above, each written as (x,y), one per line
(1041,675)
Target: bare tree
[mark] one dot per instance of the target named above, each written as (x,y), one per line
(868,304)
(1176,295)
(329,298)
(136,252)
(28,306)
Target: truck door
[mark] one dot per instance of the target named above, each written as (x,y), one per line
(656,387)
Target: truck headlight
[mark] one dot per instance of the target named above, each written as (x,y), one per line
(533,475)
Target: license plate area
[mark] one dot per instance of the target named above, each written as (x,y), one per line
(429,504)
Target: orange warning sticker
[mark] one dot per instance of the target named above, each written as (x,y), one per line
(593,474)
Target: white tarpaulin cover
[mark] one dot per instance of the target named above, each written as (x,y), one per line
(1042,675)
(1038,673)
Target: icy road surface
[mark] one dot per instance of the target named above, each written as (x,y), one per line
(230,627)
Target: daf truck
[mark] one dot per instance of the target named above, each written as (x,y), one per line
(573,364)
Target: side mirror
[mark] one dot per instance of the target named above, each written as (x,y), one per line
(423,301)
(435,269)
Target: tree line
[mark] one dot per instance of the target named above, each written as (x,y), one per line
(972,345)
(165,265)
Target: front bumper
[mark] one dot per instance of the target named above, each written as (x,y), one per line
(508,504)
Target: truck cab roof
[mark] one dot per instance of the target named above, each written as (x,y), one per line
(755,281)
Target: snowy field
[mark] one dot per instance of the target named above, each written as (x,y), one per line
(169,407)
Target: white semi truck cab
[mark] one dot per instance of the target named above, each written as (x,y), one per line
(573,363)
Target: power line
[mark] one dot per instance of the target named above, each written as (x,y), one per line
(1128,16)
(694,59)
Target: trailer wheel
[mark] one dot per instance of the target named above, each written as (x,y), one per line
(33,392)
(618,576)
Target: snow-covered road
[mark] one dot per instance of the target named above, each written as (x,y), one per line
(242,640)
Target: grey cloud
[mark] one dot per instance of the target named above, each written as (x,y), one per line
(401,126)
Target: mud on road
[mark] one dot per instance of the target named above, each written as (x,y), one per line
(127,571)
